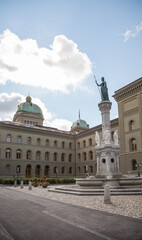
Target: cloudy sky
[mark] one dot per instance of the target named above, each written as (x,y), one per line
(52,49)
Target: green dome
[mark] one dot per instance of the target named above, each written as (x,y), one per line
(28,106)
(80,123)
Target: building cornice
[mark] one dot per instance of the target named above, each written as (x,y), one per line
(128,90)
(37,129)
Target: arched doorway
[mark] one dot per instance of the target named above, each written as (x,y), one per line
(28,171)
(37,173)
(46,171)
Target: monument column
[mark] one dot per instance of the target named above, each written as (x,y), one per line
(105,107)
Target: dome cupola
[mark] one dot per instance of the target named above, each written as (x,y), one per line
(29,113)
(79,125)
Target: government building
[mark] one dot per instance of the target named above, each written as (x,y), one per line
(29,149)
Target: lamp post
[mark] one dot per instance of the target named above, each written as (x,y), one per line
(138,168)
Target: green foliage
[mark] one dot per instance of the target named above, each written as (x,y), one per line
(10,181)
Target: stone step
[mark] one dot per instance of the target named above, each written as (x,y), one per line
(100,190)
(95,193)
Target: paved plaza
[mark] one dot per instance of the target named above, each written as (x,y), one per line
(39,214)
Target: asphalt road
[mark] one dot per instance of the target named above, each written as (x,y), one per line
(27,217)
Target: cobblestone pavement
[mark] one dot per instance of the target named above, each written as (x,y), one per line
(130,206)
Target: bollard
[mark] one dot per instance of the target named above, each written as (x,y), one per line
(21,186)
(107,196)
(15,183)
(30,185)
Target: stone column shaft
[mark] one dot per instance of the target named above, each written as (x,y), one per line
(105,107)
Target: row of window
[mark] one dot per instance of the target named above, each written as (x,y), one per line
(80,156)
(8,154)
(31,123)
(83,156)
(29,141)
(84,144)
(46,170)
(132,142)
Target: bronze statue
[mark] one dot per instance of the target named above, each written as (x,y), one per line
(104,89)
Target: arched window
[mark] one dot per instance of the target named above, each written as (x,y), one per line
(62,157)
(63,144)
(70,170)
(28,171)
(78,145)
(28,140)
(19,139)
(84,156)
(38,155)
(90,141)
(47,143)
(70,157)
(85,170)
(134,164)
(91,169)
(84,143)
(63,170)
(8,153)
(8,138)
(18,154)
(79,170)
(18,169)
(55,143)
(7,168)
(37,172)
(131,125)
(133,145)
(55,156)
(90,155)
(79,157)
(47,156)
(38,141)
(46,171)
(29,155)
(55,170)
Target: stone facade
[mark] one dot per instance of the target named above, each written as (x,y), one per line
(29,150)
(129,99)
(38,151)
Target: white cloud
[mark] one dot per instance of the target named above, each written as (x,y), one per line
(9,104)
(56,68)
(60,124)
(132,33)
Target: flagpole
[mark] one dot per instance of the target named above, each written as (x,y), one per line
(97,85)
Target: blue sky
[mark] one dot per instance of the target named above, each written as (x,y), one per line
(59,46)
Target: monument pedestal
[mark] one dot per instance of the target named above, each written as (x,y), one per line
(108,161)
(107,151)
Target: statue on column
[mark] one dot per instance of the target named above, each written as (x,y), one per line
(104,89)
(107,136)
(115,137)
(97,138)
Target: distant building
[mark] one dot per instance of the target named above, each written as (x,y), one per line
(29,149)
